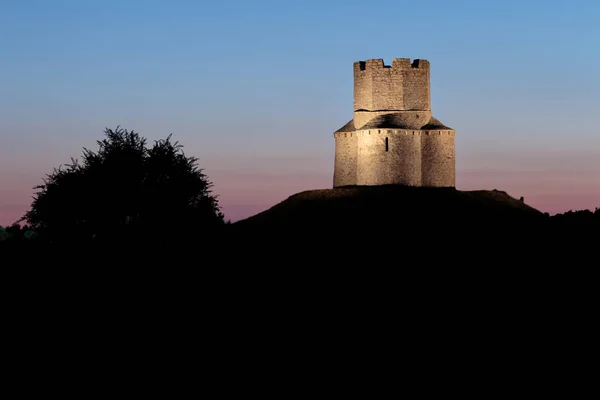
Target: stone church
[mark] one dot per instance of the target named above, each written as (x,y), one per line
(393,137)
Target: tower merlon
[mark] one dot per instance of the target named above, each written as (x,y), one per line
(397,63)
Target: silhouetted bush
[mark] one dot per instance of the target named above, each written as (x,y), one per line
(578,217)
(16,232)
(124,192)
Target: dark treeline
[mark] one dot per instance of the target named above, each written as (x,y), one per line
(585,217)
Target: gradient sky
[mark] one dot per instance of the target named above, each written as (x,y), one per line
(255,89)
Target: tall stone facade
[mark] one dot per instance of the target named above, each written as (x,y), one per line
(393,137)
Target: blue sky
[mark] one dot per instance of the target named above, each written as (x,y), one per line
(255,89)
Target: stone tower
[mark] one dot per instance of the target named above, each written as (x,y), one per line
(393,137)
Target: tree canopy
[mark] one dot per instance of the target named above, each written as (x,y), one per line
(126,190)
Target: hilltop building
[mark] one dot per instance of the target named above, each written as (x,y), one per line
(393,137)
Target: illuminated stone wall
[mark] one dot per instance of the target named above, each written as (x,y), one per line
(389,156)
(393,137)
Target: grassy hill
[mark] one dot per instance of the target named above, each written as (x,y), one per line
(401,206)
(422,221)
(375,224)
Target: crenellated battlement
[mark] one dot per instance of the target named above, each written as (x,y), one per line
(397,63)
(402,86)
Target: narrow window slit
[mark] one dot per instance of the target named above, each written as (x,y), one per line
(386,144)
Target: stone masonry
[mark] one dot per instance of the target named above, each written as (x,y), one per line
(393,137)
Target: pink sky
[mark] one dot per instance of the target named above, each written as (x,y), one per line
(552,182)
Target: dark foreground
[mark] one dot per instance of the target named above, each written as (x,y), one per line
(325,271)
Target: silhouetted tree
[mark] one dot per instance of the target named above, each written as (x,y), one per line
(126,191)
(578,217)
(14,231)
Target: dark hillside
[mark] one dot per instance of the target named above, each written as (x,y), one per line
(406,208)
(376,223)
